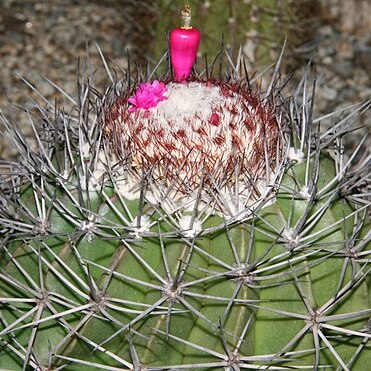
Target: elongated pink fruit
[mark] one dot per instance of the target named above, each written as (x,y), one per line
(184,43)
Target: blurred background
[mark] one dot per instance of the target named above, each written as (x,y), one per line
(44,39)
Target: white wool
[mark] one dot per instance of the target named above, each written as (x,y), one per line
(126,189)
(190,227)
(304,192)
(143,227)
(296,155)
(189,107)
(185,100)
(289,234)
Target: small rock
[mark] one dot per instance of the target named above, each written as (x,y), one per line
(326,30)
(345,50)
(365,94)
(327,60)
(343,68)
(328,93)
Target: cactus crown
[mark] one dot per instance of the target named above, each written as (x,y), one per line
(206,140)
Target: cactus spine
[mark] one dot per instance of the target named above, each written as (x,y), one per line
(117,254)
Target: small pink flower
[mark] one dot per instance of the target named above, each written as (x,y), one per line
(148,95)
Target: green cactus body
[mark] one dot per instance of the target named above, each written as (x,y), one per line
(92,278)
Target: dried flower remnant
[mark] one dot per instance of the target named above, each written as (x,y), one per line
(148,95)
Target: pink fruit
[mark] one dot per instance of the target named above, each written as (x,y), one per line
(184,42)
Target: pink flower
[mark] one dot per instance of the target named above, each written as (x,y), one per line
(148,95)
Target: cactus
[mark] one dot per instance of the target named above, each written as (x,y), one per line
(214,230)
